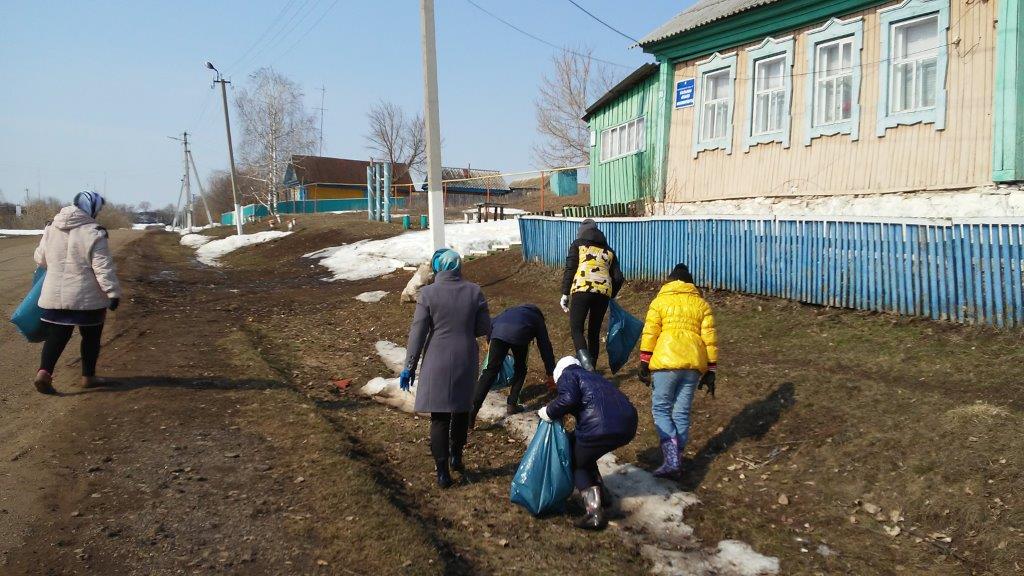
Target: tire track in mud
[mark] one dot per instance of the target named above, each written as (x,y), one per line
(381,470)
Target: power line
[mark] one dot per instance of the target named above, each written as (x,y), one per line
(606,25)
(283,31)
(304,34)
(539,39)
(267,30)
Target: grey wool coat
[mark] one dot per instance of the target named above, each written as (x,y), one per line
(450,315)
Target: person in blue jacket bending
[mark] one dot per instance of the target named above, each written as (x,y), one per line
(605,420)
(512,331)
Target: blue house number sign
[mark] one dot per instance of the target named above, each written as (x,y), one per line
(684,93)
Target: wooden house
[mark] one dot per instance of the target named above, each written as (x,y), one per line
(323,178)
(794,98)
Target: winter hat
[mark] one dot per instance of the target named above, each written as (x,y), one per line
(682,273)
(563,364)
(586,226)
(89,202)
(445,260)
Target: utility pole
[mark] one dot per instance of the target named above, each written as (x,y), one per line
(186,182)
(323,92)
(231,152)
(435,192)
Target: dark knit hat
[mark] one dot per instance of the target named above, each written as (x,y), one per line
(682,273)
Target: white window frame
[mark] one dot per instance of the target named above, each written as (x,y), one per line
(616,140)
(770,49)
(717,63)
(889,19)
(833,31)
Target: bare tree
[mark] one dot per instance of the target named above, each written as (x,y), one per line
(574,83)
(275,125)
(398,139)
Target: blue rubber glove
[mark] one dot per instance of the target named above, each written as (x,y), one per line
(405,380)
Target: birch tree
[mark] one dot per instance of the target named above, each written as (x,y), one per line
(275,125)
(397,138)
(575,81)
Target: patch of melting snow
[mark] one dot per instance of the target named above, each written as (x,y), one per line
(374,258)
(209,252)
(194,240)
(374,296)
(9,232)
(652,507)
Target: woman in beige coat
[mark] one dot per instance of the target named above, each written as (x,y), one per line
(80,285)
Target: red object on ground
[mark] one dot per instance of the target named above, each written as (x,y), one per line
(342,383)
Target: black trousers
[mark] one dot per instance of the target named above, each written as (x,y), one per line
(587,309)
(495,356)
(448,433)
(584,462)
(57,339)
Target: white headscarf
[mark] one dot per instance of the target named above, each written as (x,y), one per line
(563,364)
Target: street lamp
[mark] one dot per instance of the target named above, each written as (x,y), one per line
(219,79)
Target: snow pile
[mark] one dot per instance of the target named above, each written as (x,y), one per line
(374,296)
(209,253)
(194,240)
(373,258)
(392,354)
(985,202)
(8,232)
(653,508)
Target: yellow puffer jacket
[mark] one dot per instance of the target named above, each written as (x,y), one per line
(680,330)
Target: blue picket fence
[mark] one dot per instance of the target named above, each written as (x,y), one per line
(306,207)
(943,269)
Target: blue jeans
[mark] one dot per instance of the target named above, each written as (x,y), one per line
(670,403)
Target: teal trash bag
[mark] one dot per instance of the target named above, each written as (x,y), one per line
(28,317)
(505,374)
(624,331)
(543,481)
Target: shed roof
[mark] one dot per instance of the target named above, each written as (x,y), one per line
(635,77)
(325,170)
(480,179)
(700,14)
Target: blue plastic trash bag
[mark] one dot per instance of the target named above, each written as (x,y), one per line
(543,481)
(28,317)
(505,374)
(624,331)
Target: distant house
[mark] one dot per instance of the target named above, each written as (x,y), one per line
(468,186)
(766,99)
(323,178)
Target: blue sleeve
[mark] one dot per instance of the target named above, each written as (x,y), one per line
(569,398)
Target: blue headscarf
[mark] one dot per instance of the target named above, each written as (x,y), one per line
(445,260)
(89,202)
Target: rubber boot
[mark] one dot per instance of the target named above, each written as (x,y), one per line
(444,476)
(44,383)
(586,360)
(457,464)
(670,452)
(606,495)
(511,409)
(93,382)
(594,520)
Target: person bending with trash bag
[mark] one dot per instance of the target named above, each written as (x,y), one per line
(605,420)
(679,353)
(450,315)
(79,287)
(591,279)
(512,331)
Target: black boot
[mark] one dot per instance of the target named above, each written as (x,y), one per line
(457,464)
(586,360)
(444,476)
(511,409)
(594,520)
(606,496)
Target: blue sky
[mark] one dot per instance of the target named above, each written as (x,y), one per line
(92,90)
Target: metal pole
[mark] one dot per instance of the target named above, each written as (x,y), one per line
(189,221)
(369,191)
(231,153)
(435,199)
(387,192)
(542,192)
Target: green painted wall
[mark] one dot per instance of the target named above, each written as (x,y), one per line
(1008,114)
(630,177)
